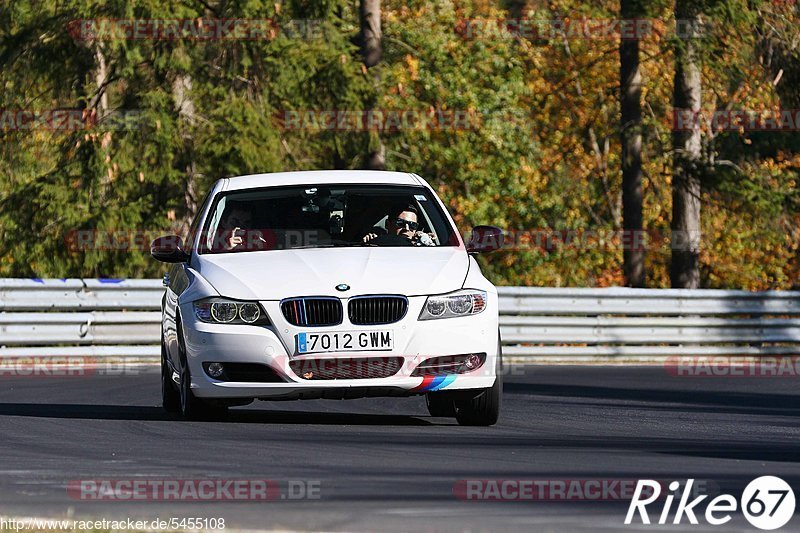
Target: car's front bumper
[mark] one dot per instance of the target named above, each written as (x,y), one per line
(415,341)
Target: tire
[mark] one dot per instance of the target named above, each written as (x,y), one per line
(192,407)
(484,408)
(170,397)
(440,404)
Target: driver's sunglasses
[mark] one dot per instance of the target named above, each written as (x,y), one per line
(401,223)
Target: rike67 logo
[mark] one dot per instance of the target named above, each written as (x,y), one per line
(767,503)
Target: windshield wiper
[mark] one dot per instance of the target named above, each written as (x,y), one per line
(321,245)
(341,244)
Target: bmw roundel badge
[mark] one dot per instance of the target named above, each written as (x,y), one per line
(343,287)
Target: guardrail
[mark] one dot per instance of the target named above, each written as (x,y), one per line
(74,317)
(645,322)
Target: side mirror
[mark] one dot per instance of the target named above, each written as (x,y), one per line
(485,239)
(169,249)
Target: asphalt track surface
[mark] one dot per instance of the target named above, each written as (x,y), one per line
(384,464)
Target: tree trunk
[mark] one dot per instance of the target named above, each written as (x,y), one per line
(515,8)
(182,99)
(370,11)
(686,142)
(100,101)
(376,159)
(631,131)
(371,49)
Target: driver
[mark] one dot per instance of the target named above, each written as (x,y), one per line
(233,231)
(403,222)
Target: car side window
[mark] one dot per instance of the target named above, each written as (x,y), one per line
(194,227)
(210,239)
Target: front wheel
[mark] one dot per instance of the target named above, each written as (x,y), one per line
(192,407)
(440,404)
(170,398)
(483,409)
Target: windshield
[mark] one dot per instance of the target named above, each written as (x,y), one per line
(310,216)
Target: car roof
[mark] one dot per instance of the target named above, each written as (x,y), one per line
(321,177)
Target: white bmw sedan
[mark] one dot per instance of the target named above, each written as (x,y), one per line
(328,284)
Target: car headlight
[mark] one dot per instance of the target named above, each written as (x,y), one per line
(223,311)
(461,303)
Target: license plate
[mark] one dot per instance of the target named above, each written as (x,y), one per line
(345,341)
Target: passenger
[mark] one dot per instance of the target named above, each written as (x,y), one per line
(402,221)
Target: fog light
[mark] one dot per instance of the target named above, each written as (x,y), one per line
(472,361)
(215,370)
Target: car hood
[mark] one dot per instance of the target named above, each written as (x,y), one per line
(278,274)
